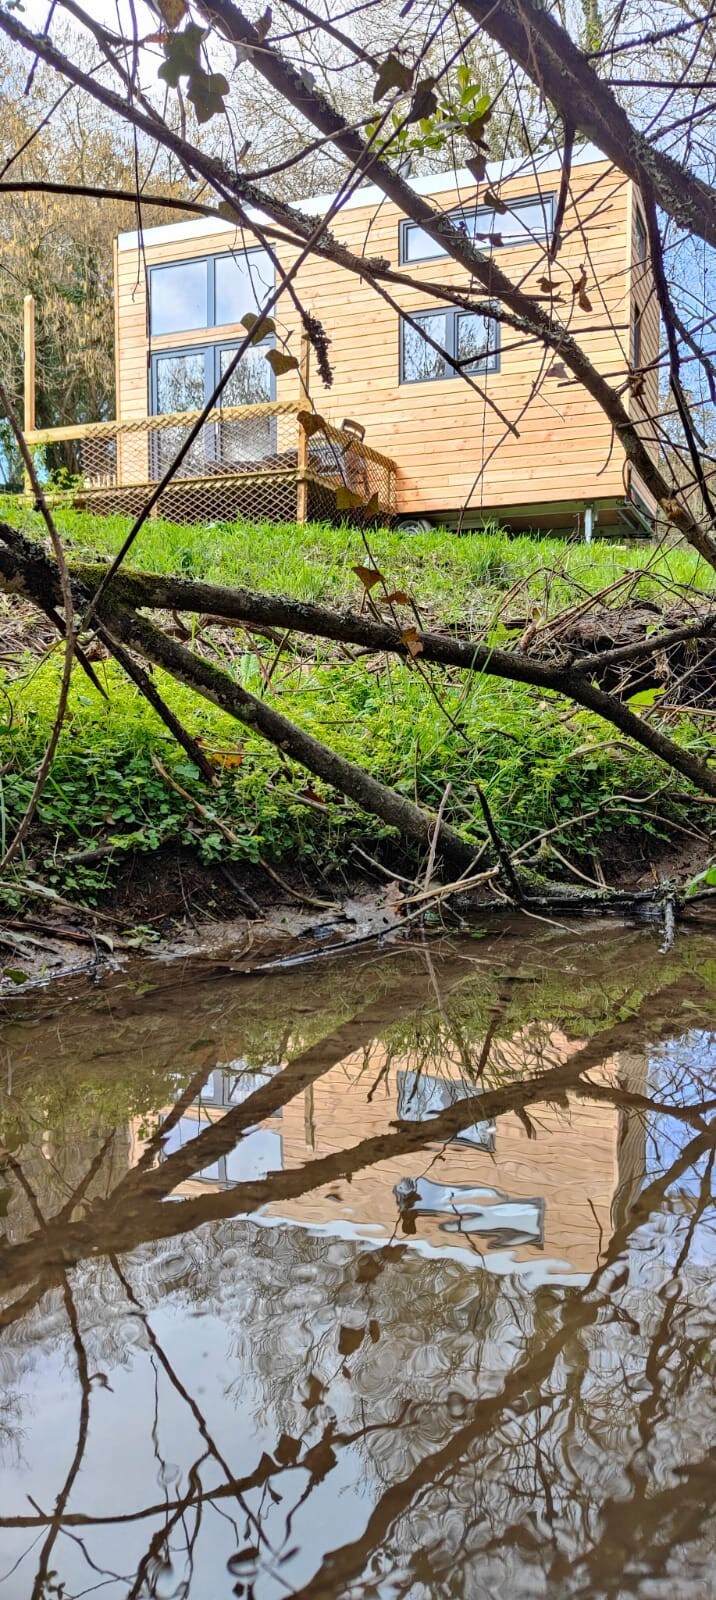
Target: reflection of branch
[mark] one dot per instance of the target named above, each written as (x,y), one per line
(40,1584)
(113,1227)
(345,1563)
(181,1389)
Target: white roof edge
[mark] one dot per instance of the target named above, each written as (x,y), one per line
(432,183)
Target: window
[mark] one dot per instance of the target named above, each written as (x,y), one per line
(421,1096)
(523,221)
(461,335)
(636,338)
(211,292)
(241,284)
(640,241)
(183,380)
(178,297)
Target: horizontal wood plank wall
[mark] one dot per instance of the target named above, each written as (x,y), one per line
(450,447)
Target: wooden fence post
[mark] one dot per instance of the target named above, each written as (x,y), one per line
(302,455)
(28,348)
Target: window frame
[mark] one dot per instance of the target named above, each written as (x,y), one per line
(640,232)
(637,337)
(459,214)
(209,263)
(491,363)
(211,350)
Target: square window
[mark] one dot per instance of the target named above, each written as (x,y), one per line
(178,298)
(242,283)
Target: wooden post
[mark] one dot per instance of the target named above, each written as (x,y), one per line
(28,345)
(28,350)
(302,456)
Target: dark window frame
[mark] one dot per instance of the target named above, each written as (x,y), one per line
(461,213)
(489,364)
(211,350)
(641,235)
(209,263)
(636,336)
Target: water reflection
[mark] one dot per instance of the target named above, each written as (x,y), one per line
(393,1278)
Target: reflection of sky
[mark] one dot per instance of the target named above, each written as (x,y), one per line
(682,1071)
(255,1154)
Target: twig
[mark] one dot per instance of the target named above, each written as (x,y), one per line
(435,833)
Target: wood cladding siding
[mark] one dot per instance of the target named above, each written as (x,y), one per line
(451,443)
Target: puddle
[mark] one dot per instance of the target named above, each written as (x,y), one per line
(386,1276)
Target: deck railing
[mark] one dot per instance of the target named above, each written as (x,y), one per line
(271,460)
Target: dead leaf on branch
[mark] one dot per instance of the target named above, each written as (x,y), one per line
(347,499)
(264,23)
(579,291)
(412,641)
(311,423)
(258,327)
(280,362)
(478,167)
(492,199)
(369,576)
(425,102)
(398,597)
(392,74)
(172,11)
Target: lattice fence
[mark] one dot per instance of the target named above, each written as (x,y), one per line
(262,461)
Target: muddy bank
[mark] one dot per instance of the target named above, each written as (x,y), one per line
(170,905)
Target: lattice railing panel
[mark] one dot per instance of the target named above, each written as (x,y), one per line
(246,461)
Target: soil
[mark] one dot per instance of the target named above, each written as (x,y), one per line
(172,905)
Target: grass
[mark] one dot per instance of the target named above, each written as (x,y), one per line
(541,763)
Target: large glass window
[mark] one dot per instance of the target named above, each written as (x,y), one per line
(462,336)
(246,438)
(242,283)
(421,362)
(183,380)
(523,221)
(212,292)
(178,297)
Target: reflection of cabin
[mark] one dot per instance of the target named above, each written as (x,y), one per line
(423,442)
(547,1186)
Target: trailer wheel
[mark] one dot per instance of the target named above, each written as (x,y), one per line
(414,525)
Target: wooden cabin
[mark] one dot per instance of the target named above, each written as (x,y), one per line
(520,442)
(546,1190)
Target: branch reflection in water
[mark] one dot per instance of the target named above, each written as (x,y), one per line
(391,1276)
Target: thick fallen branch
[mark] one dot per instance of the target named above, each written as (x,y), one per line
(25,568)
(574,680)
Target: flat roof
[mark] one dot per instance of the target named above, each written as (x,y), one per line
(432,183)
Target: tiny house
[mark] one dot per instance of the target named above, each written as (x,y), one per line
(512,437)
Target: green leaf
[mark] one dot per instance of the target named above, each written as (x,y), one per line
(207,92)
(645,697)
